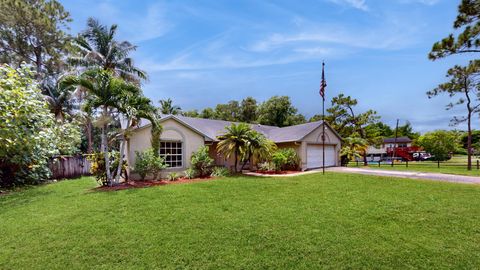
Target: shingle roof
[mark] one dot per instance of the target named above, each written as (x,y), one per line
(213,128)
(399,140)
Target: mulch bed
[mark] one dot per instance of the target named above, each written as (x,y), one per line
(150,183)
(277,172)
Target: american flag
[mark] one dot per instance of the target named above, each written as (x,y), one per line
(323,83)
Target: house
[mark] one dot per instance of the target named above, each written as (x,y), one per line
(182,136)
(376,153)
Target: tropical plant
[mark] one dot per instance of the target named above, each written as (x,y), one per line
(257,146)
(279,160)
(68,137)
(353,147)
(59,98)
(167,107)
(220,172)
(233,142)
(173,176)
(202,162)
(97,166)
(190,173)
(147,163)
(98,49)
(293,160)
(27,129)
(108,94)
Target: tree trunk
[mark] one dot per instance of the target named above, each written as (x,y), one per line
(88,130)
(236,158)
(245,162)
(122,151)
(38,62)
(105,148)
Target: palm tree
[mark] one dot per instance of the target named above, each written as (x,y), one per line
(257,146)
(234,141)
(167,107)
(59,99)
(354,147)
(107,93)
(99,49)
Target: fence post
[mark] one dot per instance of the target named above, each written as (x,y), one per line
(379,163)
(357,163)
(478,164)
(407,163)
(438,164)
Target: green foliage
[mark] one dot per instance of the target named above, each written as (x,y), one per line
(234,141)
(293,160)
(68,137)
(148,163)
(27,129)
(167,107)
(173,176)
(220,172)
(248,110)
(467,24)
(439,143)
(34,32)
(353,147)
(190,173)
(279,160)
(266,166)
(191,113)
(97,166)
(279,111)
(202,162)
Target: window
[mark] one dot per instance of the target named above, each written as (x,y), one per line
(172,153)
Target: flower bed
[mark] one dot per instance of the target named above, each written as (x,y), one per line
(277,172)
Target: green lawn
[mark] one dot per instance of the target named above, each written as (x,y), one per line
(456,165)
(306,222)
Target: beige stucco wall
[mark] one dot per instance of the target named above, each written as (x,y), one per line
(172,131)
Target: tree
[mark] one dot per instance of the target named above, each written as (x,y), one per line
(278,111)
(257,146)
(406,130)
(32,31)
(383,129)
(167,107)
(468,41)
(98,49)
(191,113)
(439,143)
(234,140)
(26,129)
(59,98)
(353,147)
(107,93)
(349,124)
(248,110)
(228,112)
(207,113)
(462,81)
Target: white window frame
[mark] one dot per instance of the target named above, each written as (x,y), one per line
(173,149)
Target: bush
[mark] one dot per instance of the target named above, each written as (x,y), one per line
(220,172)
(148,163)
(97,166)
(173,176)
(266,166)
(202,162)
(190,173)
(279,160)
(293,160)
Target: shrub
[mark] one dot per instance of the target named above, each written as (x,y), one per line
(202,162)
(173,176)
(97,166)
(279,160)
(190,173)
(148,163)
(266,166)
(293,160)
(220,172)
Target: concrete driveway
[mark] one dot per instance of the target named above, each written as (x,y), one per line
(413,175)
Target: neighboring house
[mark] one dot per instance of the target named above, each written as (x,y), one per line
(182,136)
(385,149)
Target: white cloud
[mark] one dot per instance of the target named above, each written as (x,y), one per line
(358,4)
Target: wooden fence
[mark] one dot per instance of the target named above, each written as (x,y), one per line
(69,166)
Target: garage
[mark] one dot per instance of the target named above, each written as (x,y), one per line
(315,155)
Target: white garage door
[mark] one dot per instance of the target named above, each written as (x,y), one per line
(315,155)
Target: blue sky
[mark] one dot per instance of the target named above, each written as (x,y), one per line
(200,53)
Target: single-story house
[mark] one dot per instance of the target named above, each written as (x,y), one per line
(376,153)
(182,136)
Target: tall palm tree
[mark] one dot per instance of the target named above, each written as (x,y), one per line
(107,93)
(98,48)
(167,107)
(234,141)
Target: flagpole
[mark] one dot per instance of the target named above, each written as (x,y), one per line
(323,118)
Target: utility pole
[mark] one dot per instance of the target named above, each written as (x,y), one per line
(395,143)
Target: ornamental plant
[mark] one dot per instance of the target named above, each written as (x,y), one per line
(202,162)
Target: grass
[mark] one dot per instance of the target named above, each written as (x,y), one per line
(457,165)
(305,222)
